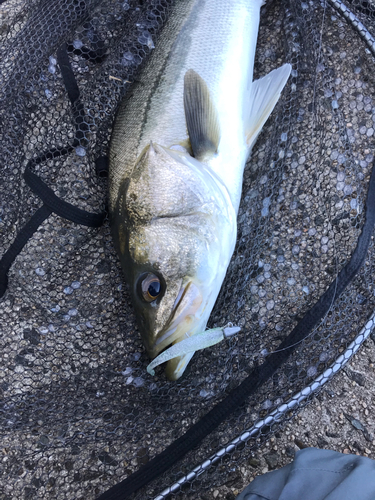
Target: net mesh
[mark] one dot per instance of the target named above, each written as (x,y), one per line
(78,411)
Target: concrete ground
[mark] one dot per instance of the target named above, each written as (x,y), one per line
(340,418)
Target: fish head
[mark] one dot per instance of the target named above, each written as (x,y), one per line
(175,234)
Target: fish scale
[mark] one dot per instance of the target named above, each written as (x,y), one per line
(217,40)
(178,150)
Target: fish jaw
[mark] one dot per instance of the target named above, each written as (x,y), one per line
(185,320)
(175,367)
(193,306)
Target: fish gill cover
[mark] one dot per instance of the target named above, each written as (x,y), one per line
(79,412)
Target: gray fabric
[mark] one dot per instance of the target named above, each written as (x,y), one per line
(316,475)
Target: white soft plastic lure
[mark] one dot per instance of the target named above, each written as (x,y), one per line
(178,151)
(195,343)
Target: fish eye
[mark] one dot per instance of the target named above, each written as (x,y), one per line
(150,287)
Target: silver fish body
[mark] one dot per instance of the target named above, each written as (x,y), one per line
(178,150)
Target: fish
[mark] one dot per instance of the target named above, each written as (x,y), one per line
(179,145)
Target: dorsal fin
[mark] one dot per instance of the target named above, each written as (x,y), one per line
(201,116)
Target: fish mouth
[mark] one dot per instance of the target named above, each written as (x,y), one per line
(184,321)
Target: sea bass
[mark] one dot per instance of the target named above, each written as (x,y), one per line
(178,150)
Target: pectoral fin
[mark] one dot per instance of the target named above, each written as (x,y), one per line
(265,93)
(201,116)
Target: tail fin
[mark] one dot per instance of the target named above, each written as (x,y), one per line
(264,95)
